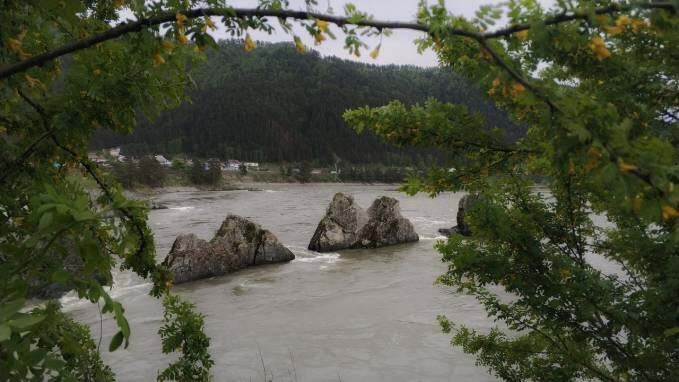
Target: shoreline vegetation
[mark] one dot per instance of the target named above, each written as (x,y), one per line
(150,173)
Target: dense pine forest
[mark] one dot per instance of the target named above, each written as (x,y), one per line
(276,105)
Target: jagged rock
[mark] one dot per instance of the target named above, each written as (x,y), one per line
(239,243)
(339,227)
(463,206)
(347,225)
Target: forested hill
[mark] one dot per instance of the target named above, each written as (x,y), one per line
(274,104)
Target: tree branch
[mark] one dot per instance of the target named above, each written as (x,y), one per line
(566,17)
(136,26)
(89,168)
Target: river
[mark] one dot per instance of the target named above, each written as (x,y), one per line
(359,315)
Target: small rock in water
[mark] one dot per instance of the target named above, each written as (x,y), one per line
(239,243)
(155,205)
(463,207)
(347,225)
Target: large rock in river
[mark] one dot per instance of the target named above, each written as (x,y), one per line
(462,228)
(238,243)
(339,227)
(347,225)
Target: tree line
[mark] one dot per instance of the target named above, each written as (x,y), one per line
(276,105)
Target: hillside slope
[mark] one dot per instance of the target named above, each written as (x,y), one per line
(274,104)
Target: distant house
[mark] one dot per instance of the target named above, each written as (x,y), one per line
(96,158)
(163,161)
(114,152)
(233,165)
(249,165)
(316,171)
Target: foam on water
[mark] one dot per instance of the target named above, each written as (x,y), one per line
(182,208)
(329,258)
(427,238)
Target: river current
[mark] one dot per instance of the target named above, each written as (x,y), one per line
(356,315)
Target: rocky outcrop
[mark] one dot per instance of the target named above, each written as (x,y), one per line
(239,243)
(339,227)
(346,225)
(463,207)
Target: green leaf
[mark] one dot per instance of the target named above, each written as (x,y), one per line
(26,321)
(116,341)
(10,308)
(5,332)
(45,221)
(61,276)
(671,331)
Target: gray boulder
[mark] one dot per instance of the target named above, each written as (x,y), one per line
(339,227)
(462,228)
(238,243)
(347,225)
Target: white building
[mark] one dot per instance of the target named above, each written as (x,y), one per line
(232,165)
(163,161)
(114,152)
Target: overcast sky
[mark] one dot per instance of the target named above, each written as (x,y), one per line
(396,49)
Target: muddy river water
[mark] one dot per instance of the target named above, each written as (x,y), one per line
(360,315)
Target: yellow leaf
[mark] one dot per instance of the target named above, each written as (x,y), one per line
(626,167)
(322,25)
(375,52)
(638,24)
(181,19)
(523,35)
(210,24)
(598,46)
(299,45)
(183,39)
(32,82)
(623,20)
(636,204)
(594,157)
(565,274)
(318,39)
(518,88)
(118,3)
(158,59)
(19,221)
(249,44)
(96,72)
(168,46)
(669,212)
(13,45)
(614,31)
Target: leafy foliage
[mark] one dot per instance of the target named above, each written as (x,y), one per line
(583,273)
(183,331)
